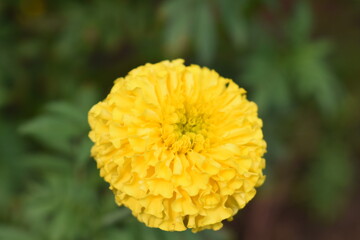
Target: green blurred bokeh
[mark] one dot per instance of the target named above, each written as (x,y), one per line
(298,60)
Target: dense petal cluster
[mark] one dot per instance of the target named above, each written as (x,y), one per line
(179,145)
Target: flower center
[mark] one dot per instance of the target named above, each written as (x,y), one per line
(189,132)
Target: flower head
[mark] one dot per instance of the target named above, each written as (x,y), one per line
(179,145)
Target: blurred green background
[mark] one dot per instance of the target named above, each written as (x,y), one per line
(299,60)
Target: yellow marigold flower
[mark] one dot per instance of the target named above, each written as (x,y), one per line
(179,145)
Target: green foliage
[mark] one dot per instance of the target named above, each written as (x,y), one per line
(205,33)
(195,25)
(295,69)
(58,58)
(234,20)
(14,233)
(329,179)
(11,168)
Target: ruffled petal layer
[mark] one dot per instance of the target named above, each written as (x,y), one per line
(179,145)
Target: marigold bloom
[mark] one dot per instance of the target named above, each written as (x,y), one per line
(179,145)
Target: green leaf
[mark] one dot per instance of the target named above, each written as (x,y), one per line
(186,235)
(120,234)
(234,22)
(205,33)
(223,234)
(83,151)
(15,233)
(61,224)
(41,201)
(45,162)
(329,180)
(265,72)
(66,203)
(118,215)
(67,110)
(52,131)
(314,77)
(12,170)
(3,95)
(179,21)
(85,98)
(151,233)
(299,27)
